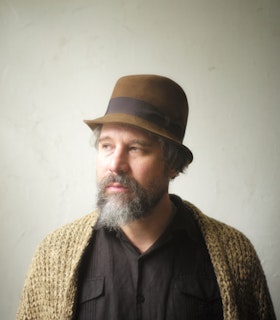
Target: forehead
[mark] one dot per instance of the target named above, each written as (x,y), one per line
(112,130)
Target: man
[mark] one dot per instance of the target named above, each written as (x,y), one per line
(144,254)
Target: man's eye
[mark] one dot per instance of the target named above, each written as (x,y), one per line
(133,148)
(136,149)
(106,146)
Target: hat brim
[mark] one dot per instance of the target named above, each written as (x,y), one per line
(141,123)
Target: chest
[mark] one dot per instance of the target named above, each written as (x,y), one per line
(173,280)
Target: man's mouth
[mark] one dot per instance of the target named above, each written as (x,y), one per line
(116,187)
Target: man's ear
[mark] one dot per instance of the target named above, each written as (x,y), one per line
(173,173)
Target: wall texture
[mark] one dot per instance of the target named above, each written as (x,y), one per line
(59,60)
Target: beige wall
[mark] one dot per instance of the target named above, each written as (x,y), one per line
(59,60)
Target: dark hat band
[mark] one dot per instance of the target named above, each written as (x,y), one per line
(145,111)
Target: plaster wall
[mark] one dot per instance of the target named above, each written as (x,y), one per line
(59,61)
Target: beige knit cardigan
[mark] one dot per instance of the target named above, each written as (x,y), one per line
(50,287)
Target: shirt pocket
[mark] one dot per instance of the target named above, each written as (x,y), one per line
(92,289)
(197,298)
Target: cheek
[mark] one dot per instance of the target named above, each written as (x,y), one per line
(147,174)
(100,167)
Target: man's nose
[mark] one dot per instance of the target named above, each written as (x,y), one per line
(118,162)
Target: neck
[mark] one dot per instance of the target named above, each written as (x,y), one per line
(144,232)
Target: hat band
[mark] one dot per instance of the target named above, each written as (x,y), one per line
(145,111)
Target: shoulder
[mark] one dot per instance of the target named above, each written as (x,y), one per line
(77,226)
(217,235)
(69,238)
(224,239)
(61,251)
(211,225)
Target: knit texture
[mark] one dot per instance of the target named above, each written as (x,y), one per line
(51,285)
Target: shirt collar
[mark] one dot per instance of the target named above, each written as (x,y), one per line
(183,221)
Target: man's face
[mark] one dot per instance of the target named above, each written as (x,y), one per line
(131,176)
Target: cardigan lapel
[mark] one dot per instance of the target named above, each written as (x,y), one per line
(220,260)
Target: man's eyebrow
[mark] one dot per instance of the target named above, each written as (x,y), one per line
(100,139)
(142,142)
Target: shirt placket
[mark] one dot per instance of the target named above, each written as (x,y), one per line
(140,298)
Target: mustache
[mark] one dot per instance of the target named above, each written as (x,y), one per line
(124,180)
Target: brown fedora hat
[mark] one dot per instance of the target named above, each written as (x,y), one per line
(151,102)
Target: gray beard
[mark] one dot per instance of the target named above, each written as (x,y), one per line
(119,209)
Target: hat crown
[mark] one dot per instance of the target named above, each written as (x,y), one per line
(160,92)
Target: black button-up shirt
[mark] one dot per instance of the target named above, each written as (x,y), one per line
(174,279)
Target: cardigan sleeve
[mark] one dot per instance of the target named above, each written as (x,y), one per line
(248,283)
(253,296)
(36,300)
(50,287)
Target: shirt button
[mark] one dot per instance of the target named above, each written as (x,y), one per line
(140,298)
